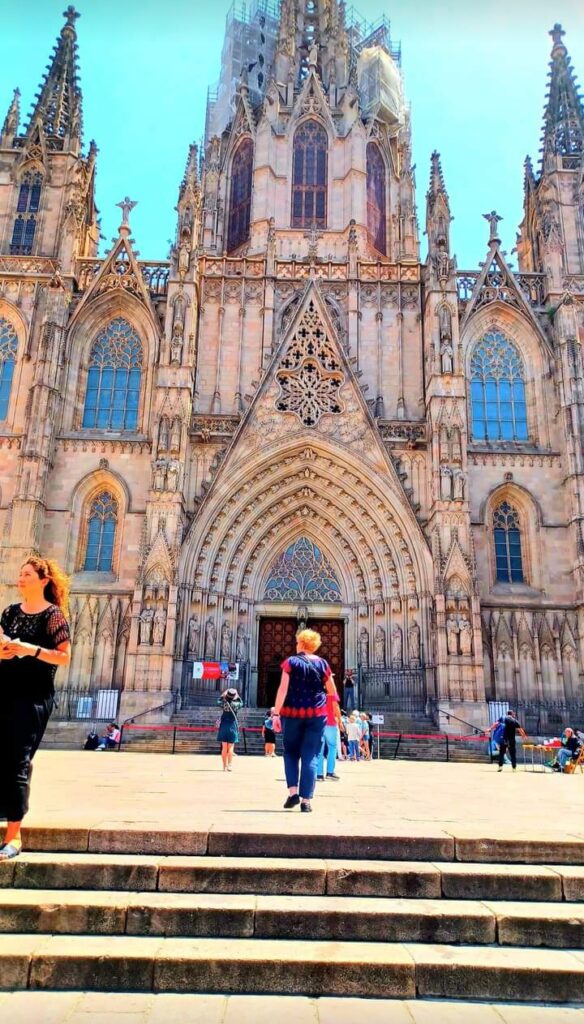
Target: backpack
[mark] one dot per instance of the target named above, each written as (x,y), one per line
(498,732)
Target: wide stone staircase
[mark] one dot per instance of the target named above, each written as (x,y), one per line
(252,912)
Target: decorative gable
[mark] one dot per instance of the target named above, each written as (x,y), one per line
(310,376)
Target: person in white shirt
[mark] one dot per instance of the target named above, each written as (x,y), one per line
(354,734)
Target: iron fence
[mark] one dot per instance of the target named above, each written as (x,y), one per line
(86,703)
(397,689)
(549,716)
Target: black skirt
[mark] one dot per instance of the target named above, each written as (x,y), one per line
(22,727)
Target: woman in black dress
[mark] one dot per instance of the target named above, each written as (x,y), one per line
(34,642)
(228,734)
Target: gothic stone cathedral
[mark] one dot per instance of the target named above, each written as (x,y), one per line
(294,418)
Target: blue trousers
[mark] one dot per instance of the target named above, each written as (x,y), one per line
(329,738)
(349,698)
(302,742)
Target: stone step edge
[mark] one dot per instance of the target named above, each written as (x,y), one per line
(259,966)
(326,918)
(218,841)
(319,877)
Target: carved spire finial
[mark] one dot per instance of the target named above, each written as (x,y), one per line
(493,219)
(12,119)
(126,206)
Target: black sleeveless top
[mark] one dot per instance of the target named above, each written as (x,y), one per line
(28,677)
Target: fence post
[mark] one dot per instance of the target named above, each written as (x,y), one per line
(447,748)
(174,740)
(244,739)
(121,738)
(399,739)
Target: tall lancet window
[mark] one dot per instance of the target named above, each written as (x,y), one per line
(101,533)
(240,196)
(8,347)
(499,408)
(376,198)
(309,176)
(113,380)
(27,207)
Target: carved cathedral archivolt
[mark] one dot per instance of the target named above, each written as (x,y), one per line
(296,412)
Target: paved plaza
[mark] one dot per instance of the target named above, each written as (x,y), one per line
(192,795)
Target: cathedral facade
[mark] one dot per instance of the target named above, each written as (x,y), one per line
(295,418)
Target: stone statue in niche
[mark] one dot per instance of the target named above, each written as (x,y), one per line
(456,445)
(465,635)
(159,474)
(442,261)
(194,635)
(225,642)
(445,482)
(241,645)
(446,357)
(364,646)
(176,434)
(380,647)
(163,434)
(159,626)
(444,444)
(172,475)
(459,482)
(146,617)
(396,645)
(445,323)
(452,631)
(184,258)
(210,638)
(414,641)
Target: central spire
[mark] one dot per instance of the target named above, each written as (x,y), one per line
(58,104)
(563,132)
(312,33)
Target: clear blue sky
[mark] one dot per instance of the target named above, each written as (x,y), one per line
(475,76)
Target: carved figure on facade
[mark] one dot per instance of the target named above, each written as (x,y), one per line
(452,631)
(445,323)
(364,646)
(194,640)
(160,474)
(163,435)
(456,445)
(241,644)
(176,434)
(159,626)
(446,357)
(146,619)
(210,638)
(444,443)
(414,642)
(380,647)
(172,475)
(459,482)
(225,652)
(465,635)
(396,645)
(445,482)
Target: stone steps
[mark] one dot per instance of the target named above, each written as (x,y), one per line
(385,970)
(310,918)
(293,876)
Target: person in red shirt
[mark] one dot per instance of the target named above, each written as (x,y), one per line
(330,739)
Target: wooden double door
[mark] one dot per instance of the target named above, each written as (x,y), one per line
(277,641)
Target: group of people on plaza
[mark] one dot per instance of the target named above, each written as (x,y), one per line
(504,733)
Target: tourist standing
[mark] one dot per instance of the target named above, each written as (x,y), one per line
(35,641)
(330,739)
(301,703)
(349,691)
(228,733)
(269,735)
(511,727)
(354,733)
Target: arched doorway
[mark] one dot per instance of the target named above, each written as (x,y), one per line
(277,640)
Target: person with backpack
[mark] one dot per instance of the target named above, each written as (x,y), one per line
(510,727)
(271,726)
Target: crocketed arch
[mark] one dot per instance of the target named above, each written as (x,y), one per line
(377,550)
(376,198)
(309,175)
(8,351)
(113,382)
(97,498)
(498,400)
(240,195)
(512,519)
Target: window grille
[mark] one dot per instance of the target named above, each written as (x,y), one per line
(113,380)
(309,176)
(507,538)
(376,198)
(303,573)
(499,409)
(8,348)
(240,198)
(27,206)
(101,533)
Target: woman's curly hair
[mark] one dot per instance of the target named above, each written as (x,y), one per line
(57,589)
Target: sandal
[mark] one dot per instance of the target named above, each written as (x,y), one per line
(9,851)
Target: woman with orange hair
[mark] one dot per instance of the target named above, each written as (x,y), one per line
(34,641)
(301,703)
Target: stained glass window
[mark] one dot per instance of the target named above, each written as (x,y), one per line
(499,410)
(309,176)
(303,573)
(240,197)
(507,538)
(27,205)
(113,380)
(101,533)
(376,197)
(310,374)
(8,347)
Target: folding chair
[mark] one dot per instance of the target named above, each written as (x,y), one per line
(577,763)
